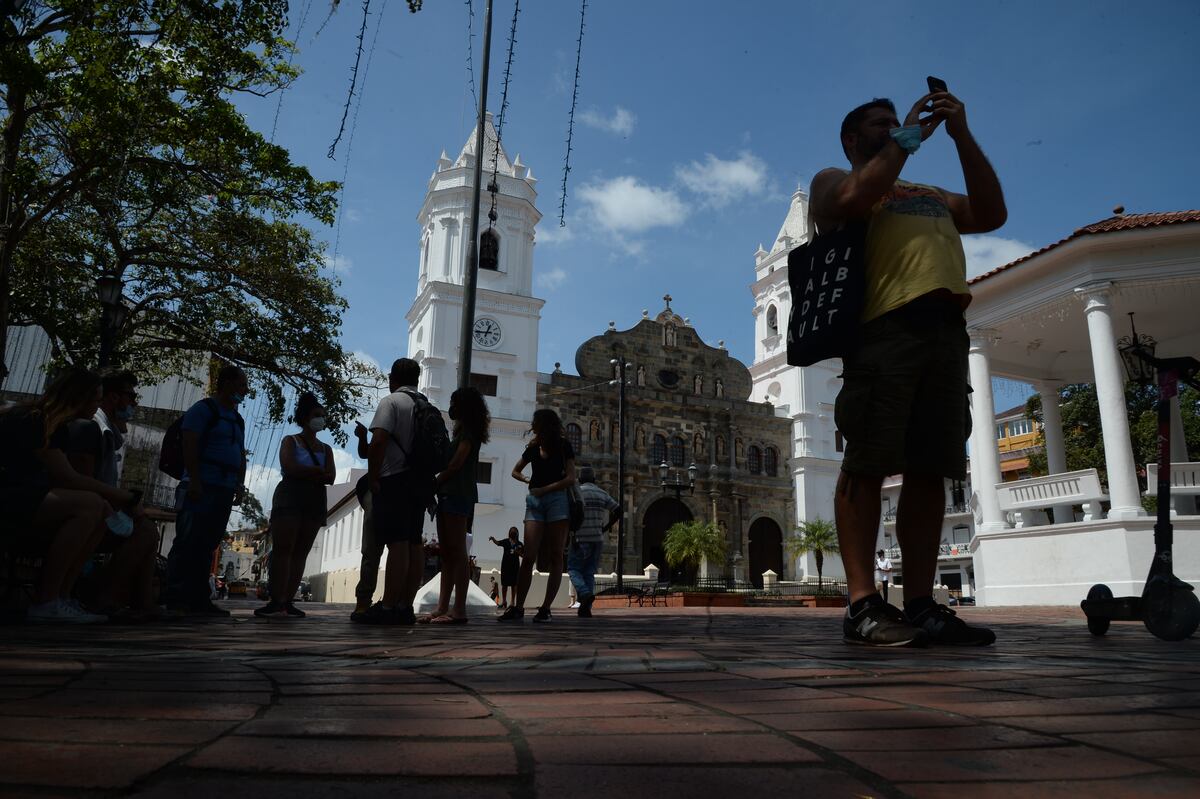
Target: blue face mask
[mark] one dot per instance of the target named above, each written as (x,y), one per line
(126,413)
(120,524)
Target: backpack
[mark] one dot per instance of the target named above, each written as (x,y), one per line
(170,456)
(431,443)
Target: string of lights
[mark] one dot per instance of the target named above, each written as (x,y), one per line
(562,206)
(471,50)
(358,51)
(494,186)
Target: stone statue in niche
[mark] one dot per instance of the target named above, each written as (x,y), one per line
(641,376)
(719,388)
(698,445)
(616,371)
(640,439)
(594,431)
(738,450)
(669,335)
(721,449)
(614,432)
(698,385)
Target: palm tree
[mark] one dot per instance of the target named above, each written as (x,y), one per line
(687,543)
(817,536)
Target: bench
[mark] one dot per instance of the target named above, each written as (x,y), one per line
(648,592)
(1185,481)
(1028,499)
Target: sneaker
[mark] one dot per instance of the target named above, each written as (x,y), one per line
(575,605)
(585,607)
(943,627)
(293,611)
(542,616)
(881,625)
(357,615)
(514,613)
(57,611)
(272,608)
(378,614)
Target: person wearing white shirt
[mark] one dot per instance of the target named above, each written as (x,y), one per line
(883,573)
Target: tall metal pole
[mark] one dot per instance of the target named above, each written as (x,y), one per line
(621,474)
(471,271)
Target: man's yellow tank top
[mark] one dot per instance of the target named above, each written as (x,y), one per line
(913,248)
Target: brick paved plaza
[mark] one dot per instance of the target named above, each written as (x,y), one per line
(656,703)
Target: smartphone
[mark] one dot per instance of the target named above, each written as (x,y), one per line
(936,84)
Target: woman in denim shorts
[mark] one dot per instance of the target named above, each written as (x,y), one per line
(457,495)
(547,509)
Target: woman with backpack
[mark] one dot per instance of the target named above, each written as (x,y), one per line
(547,508)
(299,506)
(457,494)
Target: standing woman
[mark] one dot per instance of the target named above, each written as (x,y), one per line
(457,495)
(547,508)
(299,506)
(510,565)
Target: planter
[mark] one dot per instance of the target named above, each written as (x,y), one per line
(822,601)
(707,600)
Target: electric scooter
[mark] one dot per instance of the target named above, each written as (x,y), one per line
(1168,606)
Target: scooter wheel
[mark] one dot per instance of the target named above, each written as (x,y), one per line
(1180,619)
(1098,625)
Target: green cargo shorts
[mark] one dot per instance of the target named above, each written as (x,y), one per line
(903,407)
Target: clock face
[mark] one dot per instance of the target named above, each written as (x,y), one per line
(487,332)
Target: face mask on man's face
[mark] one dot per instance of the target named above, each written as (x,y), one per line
(316,424)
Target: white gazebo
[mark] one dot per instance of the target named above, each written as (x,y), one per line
(1052,318)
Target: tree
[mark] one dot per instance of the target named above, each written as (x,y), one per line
(106,76)
(688,543)
(1083,435)
(191,208)
(817,536)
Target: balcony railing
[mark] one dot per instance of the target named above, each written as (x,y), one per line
(944,551)
(889,514)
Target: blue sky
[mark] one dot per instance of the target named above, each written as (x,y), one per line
(698,119)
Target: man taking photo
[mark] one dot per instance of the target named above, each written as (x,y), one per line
(903,407)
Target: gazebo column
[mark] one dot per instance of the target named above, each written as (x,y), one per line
(1184,505)
(1123,490)
(1056,448)
(985,457)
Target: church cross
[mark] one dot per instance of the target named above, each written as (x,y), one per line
(667,298)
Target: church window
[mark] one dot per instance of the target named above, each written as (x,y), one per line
(677,451)
(658,449)
(772,321)
(754,460)
(575,436)
(771,462)
(484,384)
(489,250)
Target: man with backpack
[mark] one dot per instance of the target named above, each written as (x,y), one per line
(212,441)
(409,446)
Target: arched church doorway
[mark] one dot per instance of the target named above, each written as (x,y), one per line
(766,550)
(658,519)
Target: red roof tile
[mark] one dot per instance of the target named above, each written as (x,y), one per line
(1113,223)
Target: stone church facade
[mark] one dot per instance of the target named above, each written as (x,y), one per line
(687,403)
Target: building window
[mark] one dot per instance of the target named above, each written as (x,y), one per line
(658,450)
(772,321)
(754,460)
(483,474)
(677,453)
(961,534)
(489,250)
(839,443)
(484,384)
(1000,432)
(771,462)
(575,436)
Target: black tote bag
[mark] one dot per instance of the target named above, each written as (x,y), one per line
(828,282)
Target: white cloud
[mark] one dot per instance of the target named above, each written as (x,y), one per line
(344,461)
(552,279)
(621,122)
(985,252)
(551,233)
(353,215)
(721,182)
(626,205)
(340,264)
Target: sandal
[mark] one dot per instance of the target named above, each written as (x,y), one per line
(446,619)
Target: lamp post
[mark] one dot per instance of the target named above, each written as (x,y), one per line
(674,483)
(621,365)
(112,313)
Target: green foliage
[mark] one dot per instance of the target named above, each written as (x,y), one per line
(1083,436)
(125,153)
(687,543)
(818,536)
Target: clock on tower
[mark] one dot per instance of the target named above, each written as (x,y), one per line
(487,332)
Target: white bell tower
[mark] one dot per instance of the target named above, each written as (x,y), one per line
(806,395)
(505,345)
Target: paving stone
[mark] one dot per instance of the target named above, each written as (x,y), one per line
(1112,722)
(1059,763)
(667,748)
(356,757)
(1143,786)
(112,731)
(198,785)
(81,765)
(861,720)
(705,782)
(1146,743)
(938,738)
(375,728)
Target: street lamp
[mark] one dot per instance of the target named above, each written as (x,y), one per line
(112,313)
(621,365)
(671,483)
(1137,353)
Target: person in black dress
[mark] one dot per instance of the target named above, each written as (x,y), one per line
(510,565)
